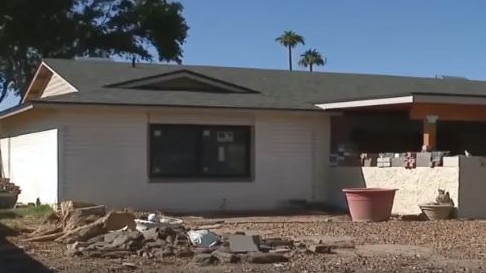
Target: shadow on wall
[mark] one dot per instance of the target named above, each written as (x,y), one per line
(14,259)
(341,178)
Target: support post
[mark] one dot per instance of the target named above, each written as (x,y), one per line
(429,133)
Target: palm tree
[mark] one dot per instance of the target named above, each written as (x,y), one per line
(290,39)
(310,58)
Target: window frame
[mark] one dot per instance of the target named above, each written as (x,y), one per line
(248,176)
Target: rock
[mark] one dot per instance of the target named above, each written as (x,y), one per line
(266,258)
(281,249)
(99,238)
(167,252)
(276,242)
(204,259)
(184,253)
(110,237)
(130,240)
(224,257)
(157,243)
(114,254)
(101,245)
(265,248)
(75,249)
(181,240)
(129,265)
(242,244)
(321,249)
(166,230)
(204,249)
(169,239)
(151,234)
(119,220)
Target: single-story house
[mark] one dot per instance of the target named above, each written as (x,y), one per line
(195,138)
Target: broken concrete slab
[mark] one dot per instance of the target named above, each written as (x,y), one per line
(118,220)
(242,243)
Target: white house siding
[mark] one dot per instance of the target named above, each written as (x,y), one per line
(105,159)
(29,150)
(57,86)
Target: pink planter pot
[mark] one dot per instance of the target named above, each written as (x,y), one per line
(370,204)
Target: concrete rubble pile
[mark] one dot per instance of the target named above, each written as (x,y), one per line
(91,231)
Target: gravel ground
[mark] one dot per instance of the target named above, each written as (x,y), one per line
(394,246)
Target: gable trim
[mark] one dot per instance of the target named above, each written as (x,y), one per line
(15,111)
(184,73)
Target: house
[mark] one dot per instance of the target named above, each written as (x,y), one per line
(194,138)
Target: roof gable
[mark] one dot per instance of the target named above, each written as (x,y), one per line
(183,80)
(47,83)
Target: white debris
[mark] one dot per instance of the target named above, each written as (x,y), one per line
(203,238)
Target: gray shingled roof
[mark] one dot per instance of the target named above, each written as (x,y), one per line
(278,89)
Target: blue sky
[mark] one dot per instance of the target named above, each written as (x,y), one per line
(413,37)
(419,38)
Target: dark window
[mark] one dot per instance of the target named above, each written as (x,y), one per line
(199,151)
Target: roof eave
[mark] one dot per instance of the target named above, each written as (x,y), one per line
(16,110)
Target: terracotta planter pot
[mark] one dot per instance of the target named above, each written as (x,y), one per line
(370,204)
(436,211)
(8,200)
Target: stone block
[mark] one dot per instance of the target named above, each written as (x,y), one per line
(424,159)
(398,162)
(242,244)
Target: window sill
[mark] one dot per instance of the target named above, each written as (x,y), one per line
(201,180)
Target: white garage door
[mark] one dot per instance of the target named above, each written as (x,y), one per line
(31,161)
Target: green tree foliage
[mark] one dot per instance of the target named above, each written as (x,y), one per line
(290,40)
(310,58)
(35,29)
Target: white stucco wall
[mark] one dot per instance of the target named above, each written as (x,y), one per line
(472,187)
(105,159)
(415,186)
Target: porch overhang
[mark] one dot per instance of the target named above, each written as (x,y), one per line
(427,108)
(410,99)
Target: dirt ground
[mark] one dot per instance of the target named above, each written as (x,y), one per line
(393,246)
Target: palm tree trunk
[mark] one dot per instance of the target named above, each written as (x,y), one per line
(310,67)
(290,58)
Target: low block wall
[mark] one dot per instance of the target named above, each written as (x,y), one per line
(414,186)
